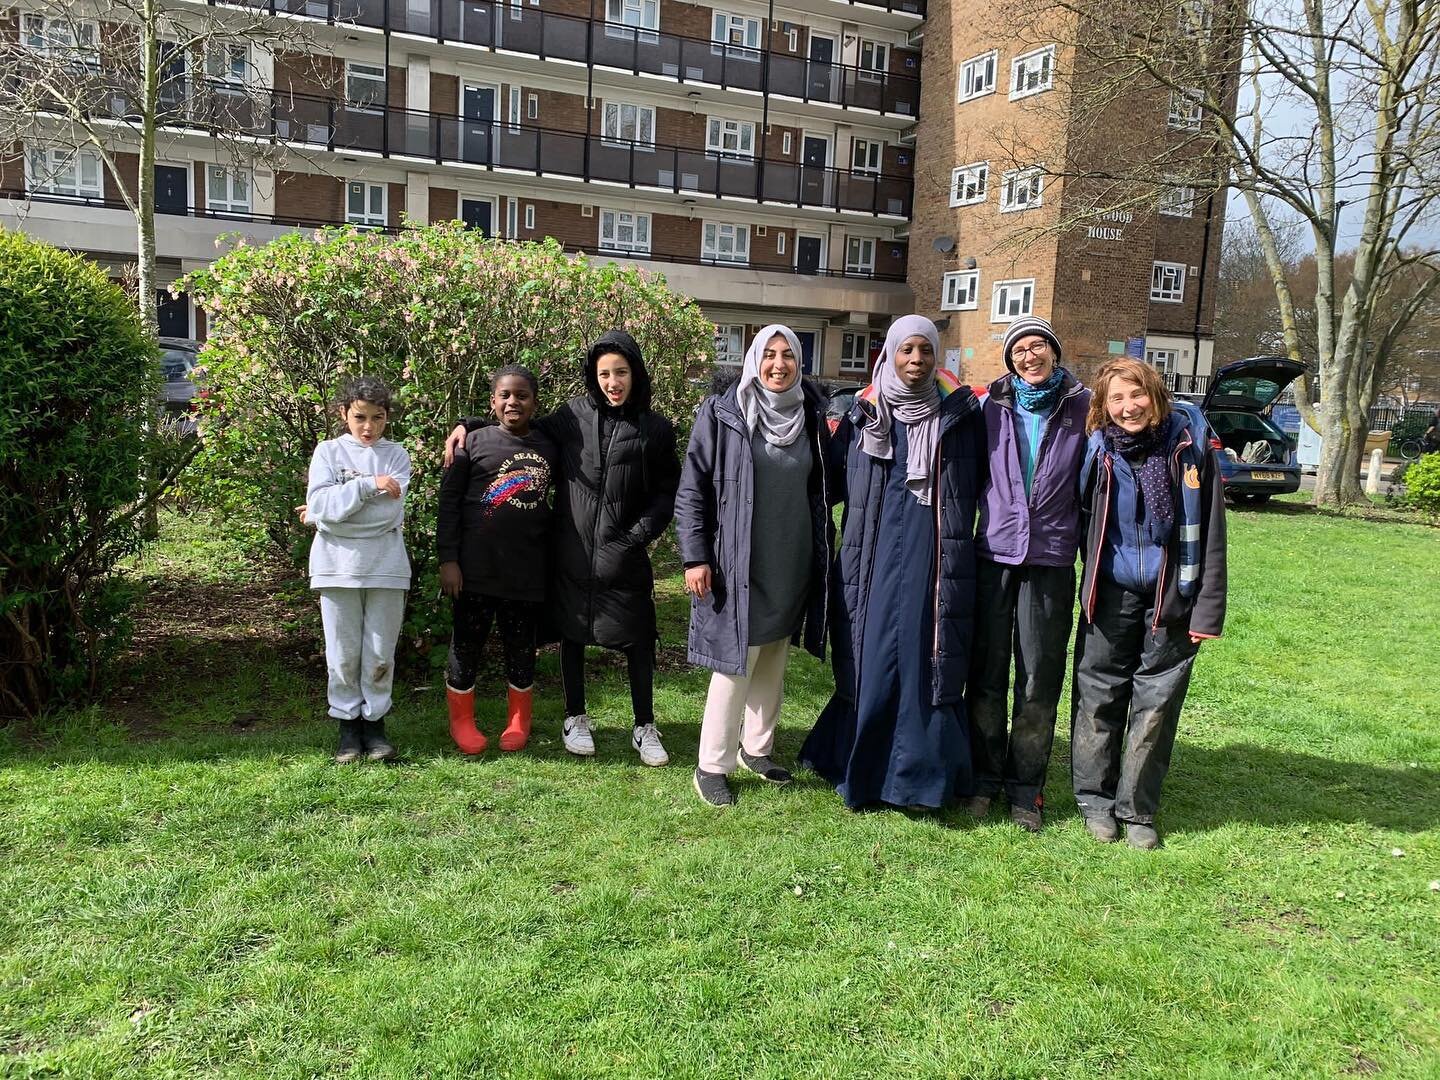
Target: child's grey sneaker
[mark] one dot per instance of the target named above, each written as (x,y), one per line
(646,740)
(713,788)
(577,737)
(1102,827)
(1144,837)
(764,768)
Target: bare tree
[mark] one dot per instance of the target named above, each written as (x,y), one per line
(104,77)
(1328,114)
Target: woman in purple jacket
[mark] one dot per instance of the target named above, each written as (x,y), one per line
(1025,592)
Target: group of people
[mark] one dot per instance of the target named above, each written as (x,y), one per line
(962,519)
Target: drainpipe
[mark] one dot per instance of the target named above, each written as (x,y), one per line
(1200,290)
(764,99)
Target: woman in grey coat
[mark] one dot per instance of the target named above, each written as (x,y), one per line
(753,522)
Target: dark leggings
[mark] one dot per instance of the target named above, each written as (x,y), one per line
(639,660)
(473,615)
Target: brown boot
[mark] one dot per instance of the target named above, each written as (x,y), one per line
(517,732)
(462,720)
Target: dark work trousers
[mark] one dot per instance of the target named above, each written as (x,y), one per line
(640,664)
(473,616)
(1022,612)
(1130,683)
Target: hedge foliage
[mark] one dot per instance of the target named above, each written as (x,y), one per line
(432,311)
(1422,483)
(79,386)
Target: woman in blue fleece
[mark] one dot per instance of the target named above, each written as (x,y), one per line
(1153,589)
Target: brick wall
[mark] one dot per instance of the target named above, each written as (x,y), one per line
(12,169)
(309,197)
(444,204)
(445,95)
(763,249)
(127,171)
(395,87)
(309,73)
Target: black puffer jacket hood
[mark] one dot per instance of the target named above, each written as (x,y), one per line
(618,341)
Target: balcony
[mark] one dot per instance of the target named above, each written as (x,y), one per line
(597,43)
(526,148)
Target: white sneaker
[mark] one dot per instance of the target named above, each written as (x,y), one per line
(646,740)
(576,735)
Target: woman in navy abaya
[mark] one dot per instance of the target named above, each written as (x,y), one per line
(913,452)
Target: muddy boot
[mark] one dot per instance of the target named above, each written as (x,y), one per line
(350,748)
(377,747)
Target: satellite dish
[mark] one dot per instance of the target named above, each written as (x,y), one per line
(943,244)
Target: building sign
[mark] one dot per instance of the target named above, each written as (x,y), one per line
(1115,227)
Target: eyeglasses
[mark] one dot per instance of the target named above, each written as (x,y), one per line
(1040,348)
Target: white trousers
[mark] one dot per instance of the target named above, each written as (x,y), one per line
(744,709)
(361,627)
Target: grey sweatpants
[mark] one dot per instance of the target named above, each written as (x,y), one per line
(1130,682)
(361,627)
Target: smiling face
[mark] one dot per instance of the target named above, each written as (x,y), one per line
(513,401)
(914,360)
(612,372)
(365,421)
(1128,405)
(778,366)
(1034,359)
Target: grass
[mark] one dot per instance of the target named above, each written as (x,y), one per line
(189,888)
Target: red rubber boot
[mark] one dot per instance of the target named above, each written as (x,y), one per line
(462,721)
(517,732)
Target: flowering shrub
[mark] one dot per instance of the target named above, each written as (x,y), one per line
(432,311)
(1422,484)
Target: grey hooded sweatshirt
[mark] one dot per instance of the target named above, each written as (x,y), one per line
(359,529)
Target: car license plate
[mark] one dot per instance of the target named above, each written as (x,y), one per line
(1266,475)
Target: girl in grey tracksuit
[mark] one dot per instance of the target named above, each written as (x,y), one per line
(355,499)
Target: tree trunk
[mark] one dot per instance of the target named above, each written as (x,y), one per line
(145,186)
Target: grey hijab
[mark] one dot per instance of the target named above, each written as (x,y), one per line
(916,407)
(779,416)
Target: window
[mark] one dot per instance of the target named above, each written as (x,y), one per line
(854,351)
(63,171)
(874,58)
(644,14)
(968,184)
(786,143)
(530,215)
(735,35)
(1012,299)
(1186,112)
(365,203)
(1196,18)
(364,85)
(729,344)
(960,291)
(780,244)
(622,230)
(735,138)
(512,218)
(726,243)
(860,255)
(792,40)
(63,38)
(532,107)
(1162,360)
(977,76)
(514,108)
(1032,73)
(1021,189)
(865,156)
(629,123)
(1167,282)
(229,64)
(1177,201)
(227,190)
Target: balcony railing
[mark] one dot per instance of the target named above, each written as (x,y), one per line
(292,221)
(526,29)
(528,148)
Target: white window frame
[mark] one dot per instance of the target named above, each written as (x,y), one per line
(236,182)
(780,243)
(733,335)
(860,263)
(1032,72)
(367,216)
(529,216)
(632,18)
(1177,200)
(879,65)
(792,39)
(1010,300)
(1163,360)
(1021,189)
(730,138)
(532,107)
(1186,111)
(375,76)
(514,108)
(46,168)
(970,184)
(787,143)
(628,231)
(718,236)
(221,61)
(51,36)
(725,28)
(1167,282)
(641,124)
(512,218)
(866,156)
(849,362)
(960,291)
(976,77)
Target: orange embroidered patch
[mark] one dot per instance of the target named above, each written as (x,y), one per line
(1192,476)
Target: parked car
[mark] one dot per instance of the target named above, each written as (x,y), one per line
(842,397)
(178,360)
(1257,460)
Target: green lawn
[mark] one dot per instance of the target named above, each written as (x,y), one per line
(188,886)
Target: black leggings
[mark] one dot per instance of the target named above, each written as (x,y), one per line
(473,614)
(640,662)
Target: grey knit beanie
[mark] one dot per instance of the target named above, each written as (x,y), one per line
(1029,326)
